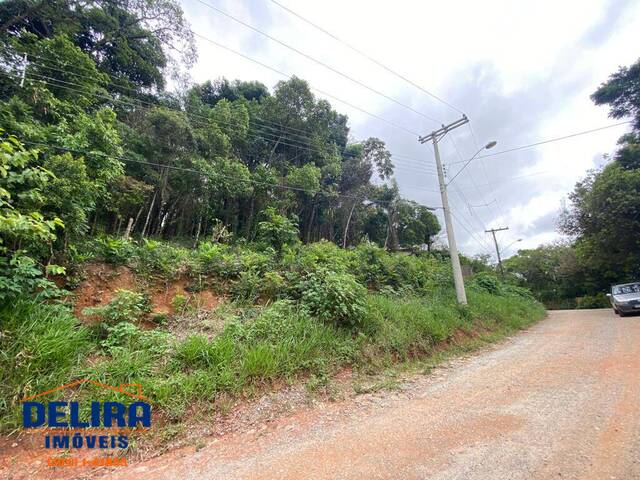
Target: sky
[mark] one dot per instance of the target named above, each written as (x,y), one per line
(521,71)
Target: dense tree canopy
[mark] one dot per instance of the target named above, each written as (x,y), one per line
(127,157)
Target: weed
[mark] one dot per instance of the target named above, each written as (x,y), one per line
(124,306)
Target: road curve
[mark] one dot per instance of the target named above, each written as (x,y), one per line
(559,401)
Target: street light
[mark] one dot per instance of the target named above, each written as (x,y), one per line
(489,145)
(511,244)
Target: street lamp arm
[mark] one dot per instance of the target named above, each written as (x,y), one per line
(486,147)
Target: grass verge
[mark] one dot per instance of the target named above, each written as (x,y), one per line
(44,346)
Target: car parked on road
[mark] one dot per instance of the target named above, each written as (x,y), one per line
(625,298)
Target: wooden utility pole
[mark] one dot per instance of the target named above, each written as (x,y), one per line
(495,241)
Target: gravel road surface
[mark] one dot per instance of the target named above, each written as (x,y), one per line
(558,401)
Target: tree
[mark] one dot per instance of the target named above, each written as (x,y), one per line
(551,272)
(622,93)
(133,42)
(604,216)
(26,234)
(417,225)
(605,219)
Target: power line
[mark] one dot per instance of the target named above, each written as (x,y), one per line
(315,60)
(283,74)
(261,122)
(543,142)
(209,121)
(286,75)
(368,57)
(199,172)
(471,234)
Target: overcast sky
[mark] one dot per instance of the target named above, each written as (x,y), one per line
(521,71)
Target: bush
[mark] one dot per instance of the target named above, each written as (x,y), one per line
(321,255)
(218,259)
(598,300)
(153,257)
(115,251)
(248,287)
(334,297)
(22,275)
(277,230)
(486,282)
(124,306)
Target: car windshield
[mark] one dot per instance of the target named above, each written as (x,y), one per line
(622,289)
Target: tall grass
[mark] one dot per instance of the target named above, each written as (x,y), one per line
(40,348)
(43,346)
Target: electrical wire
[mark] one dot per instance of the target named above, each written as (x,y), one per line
(368,57)
(199,172)
(471,234)
(56,83)
(556,139)
(322,92)
(315,60)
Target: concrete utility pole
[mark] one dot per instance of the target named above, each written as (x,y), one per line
(435,137)
(493,232)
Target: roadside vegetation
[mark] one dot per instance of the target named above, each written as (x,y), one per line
(307,310)
(258,196)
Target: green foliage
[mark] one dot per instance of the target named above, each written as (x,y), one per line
(486,282)
(248,286)
(123,307)
(21,274)
(605,216)
(115,251)
(599,300)
(40,348)
(277,230)
(410,326)
(24,230)
(159,258)
(334,297)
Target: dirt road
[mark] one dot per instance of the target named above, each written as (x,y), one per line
(559,401)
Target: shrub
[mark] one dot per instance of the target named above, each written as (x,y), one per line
(334,297)
(124,306)
(273,285)
(248,286)
(486,282)
(122,334)
(322,255)
(218,259)
(369,266)
(277,230)
(115,251)
(599,300)
(153,257)
(22,275)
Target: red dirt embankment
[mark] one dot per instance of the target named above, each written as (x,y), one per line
(100,281)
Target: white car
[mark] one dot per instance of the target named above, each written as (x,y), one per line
(625,298)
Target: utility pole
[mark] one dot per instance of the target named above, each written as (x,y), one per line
(435,137)
(493,232)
